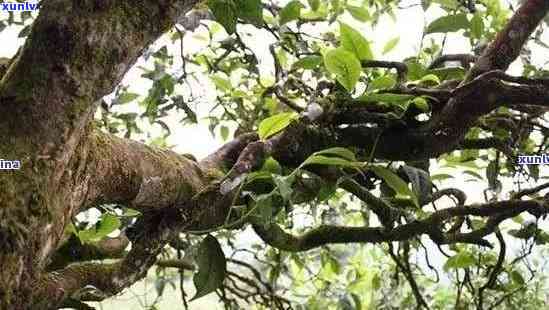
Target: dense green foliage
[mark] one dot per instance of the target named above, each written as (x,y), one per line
(273,63)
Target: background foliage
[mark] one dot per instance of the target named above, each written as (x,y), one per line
(316,51)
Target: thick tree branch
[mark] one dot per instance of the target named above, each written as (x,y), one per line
(147,179)
(148,237)
(496,212)
(509,42)
(138,176)
(487,143)
(65,39)
(76,53)
(176,263)
(447,128)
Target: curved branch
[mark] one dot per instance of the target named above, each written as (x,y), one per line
(385,212)
(509,42)
(443,132)
(176,263)
(149,179)
(276,237)
(487,143)
(66,38)
(76,53)
(530,191)
(400,67)
(148,236)
(138,176)
(496,212)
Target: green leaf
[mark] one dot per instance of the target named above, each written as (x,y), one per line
(382,82)
(336,156)
(314,4)
(250,11)
(395,182)
(459,261)
(308,63)
(344,65)
(330,266)
(421,104)
(421,184)
(263,208)
(473,174)
(354,42)
(415,69)
(517,278)
(221,83)
(441,177)
(331,161)
(533,171)
(448,73)
(182,104)
(224,13)
(126,97)
(129,212)
(284,185)
(477,26)
(338,151)
(390,45)
(527,231)
(127,116)
(272,166)
(224,130)
(104,227)
(359,13)
(108,224)
(492,174)
(326,191)
(275,124)
(450,23)
(542,237)
(290,12)
(212,267)
(430,79)
(259,176)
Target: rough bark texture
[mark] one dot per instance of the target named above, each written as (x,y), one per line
(79,50)
(46,104)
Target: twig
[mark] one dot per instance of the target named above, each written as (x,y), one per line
(401,68)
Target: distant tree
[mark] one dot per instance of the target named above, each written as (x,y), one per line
(335,162)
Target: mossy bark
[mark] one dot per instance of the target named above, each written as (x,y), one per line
(76,53)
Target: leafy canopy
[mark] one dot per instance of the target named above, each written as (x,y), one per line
(264,63)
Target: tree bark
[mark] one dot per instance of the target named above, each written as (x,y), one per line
(76,53)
